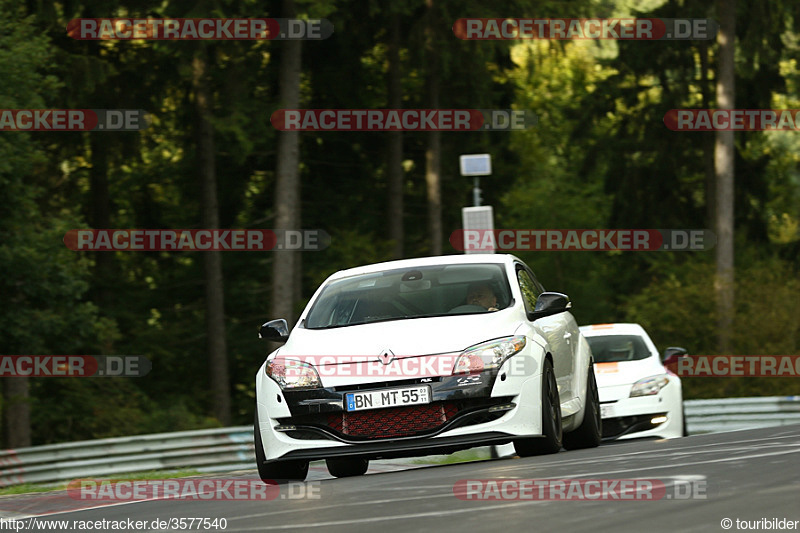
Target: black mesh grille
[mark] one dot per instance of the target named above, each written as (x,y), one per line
(392,422)
(395,422)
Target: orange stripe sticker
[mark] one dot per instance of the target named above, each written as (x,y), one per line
(606,368)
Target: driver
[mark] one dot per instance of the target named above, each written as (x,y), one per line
(481,294)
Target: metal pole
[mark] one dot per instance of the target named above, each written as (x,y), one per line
(476,191)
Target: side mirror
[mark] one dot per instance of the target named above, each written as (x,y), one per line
(672,354)
(550,303)
(274,330)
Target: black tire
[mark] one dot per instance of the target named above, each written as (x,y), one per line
(551,419)
(279,471)
(590,432)
(347,466)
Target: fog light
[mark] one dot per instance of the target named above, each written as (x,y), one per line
(658,420)
(504,407)
(285,427)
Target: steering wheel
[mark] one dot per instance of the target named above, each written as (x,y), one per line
(411,306)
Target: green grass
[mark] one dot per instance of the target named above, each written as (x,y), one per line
(463,456)
(26,488)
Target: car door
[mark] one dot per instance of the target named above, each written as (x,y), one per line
(560,331)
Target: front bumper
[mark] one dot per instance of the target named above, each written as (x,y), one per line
(631,418)
(492,407)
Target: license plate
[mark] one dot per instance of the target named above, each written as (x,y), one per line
(606,411)
(378,399)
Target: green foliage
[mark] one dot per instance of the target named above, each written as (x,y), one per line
(550,190)
(600,157)
(677,309)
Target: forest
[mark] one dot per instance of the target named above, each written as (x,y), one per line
(599,156)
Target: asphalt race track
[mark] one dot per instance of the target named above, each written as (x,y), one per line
(745,475)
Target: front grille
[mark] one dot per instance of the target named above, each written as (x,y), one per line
(392,422)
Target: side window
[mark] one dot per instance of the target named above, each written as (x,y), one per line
(539,288)
(529,288)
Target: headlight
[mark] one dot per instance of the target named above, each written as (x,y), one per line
(292,374)
(649,386)
(488,355)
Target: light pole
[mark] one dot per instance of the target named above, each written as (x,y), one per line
(477,217)
(476,165)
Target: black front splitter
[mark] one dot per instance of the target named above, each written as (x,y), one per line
(405,448)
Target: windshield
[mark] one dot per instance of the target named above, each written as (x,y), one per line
(411,293)
(616,348)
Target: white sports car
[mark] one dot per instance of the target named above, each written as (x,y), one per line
(639,396)
(424,356)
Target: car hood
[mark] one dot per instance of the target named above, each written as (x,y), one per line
(381,347)
(408,337)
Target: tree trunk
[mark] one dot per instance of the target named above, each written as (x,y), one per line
(433,152)
(100,215)
(708,142)
(433,182)
(212,261)
(724,164)
(287,187)
(16,413)
(394,160)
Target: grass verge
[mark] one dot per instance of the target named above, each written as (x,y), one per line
(27,488)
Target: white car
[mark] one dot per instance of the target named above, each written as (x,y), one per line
(639,396)
(424,356)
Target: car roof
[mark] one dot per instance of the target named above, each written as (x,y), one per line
(619,328)
(498,259)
